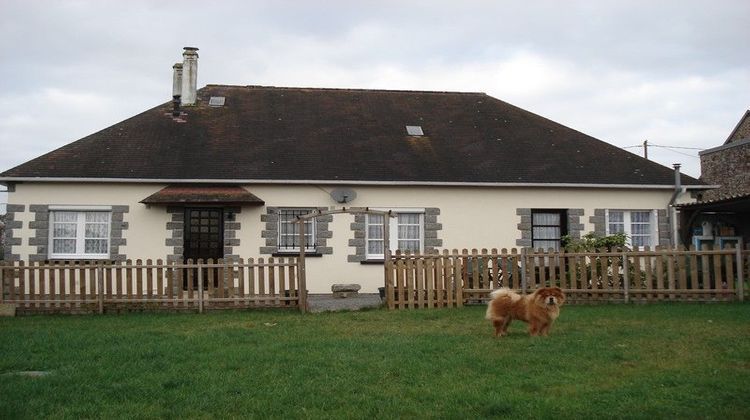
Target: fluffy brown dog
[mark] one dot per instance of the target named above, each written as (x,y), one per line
(539,309)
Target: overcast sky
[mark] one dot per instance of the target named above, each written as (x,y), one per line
(674,72)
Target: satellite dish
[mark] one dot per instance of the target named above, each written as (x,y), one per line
(343,195)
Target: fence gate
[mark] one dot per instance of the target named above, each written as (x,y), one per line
(317,213)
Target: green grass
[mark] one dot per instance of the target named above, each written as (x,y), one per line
(617,361)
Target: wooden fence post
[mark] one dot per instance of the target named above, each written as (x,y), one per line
(100,287)
(2,282)
(390,294)
(200,287)
(523,270)
(388,274)
(458,279)
(302,275)
(626,275)
(740,274)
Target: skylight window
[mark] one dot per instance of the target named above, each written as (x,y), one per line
(216,101)
(414,130)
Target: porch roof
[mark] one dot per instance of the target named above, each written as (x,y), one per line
(203,194)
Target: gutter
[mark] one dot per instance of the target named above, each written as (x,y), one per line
(6,180)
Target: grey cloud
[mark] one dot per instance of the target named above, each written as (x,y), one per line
(617,70)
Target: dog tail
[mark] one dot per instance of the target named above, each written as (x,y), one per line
(501,292)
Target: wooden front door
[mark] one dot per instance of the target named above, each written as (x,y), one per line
(204,238)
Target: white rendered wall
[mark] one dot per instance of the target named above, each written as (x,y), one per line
(477,217)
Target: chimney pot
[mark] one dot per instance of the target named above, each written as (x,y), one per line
(175,106)
(177,80)
(189,76)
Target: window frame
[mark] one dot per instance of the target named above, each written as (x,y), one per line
(80,237)
(393,232)
(563,213)
(312,231)
(628,226)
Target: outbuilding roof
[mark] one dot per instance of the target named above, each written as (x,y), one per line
(345,135)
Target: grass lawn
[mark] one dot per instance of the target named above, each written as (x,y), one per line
(655,361)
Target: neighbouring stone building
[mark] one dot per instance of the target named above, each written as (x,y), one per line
(728,165)
(721,216)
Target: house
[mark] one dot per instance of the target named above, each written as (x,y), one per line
(225,171)
(722,216)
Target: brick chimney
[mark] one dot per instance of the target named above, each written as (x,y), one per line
(189,76)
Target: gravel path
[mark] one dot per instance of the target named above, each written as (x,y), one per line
(323,303)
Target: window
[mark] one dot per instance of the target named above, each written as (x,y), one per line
(636,224)
(289,230)
(547,228)
(79,234)
(405,233)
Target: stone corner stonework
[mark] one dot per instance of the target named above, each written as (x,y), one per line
(175,233)
(663,229)
(575,227)
(231,228)
(11,225)
(598,220)
(119,225)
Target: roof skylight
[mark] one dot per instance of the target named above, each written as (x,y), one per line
(414,130)
(216,101)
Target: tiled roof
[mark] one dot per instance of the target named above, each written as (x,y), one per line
(288,134)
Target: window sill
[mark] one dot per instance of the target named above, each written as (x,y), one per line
(78,258)
(58,260)
(296,254)
(371,262)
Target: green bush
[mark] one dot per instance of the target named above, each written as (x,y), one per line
(591,242)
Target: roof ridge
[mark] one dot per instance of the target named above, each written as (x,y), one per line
(345,89)
(737,127)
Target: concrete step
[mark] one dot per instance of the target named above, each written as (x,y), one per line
(326,302)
